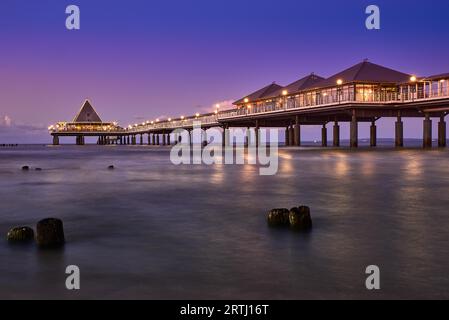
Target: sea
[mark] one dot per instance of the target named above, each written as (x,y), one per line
(149,229)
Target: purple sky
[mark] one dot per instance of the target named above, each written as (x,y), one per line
(138,60)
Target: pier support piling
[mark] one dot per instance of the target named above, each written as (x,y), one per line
(324,136)
(291,136)
(373,134)
(336,135)
(442,133)
(297,132)
(158,141)
(287,136)
(164,142)
(427,132)
(55,140)
(354,139)
(257,134)
(168,139)
(399,132)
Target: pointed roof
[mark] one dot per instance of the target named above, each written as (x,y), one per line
(307,82)
(260,94)
(366,72)
(87,113)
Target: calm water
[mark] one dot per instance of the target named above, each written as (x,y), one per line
(152,230)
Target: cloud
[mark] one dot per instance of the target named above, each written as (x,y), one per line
(16,132)
(5,121)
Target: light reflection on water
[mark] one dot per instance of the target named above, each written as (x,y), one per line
(149,229)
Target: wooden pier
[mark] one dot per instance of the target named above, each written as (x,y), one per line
(365,92)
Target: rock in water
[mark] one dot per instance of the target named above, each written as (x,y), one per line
(38,169)
(25,168)
(20,234)
(278,217)
(300,218)
(111,167)
(50,232)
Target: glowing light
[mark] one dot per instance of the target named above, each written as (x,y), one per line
(284,92)
(169,119)
(246,100)
(182,117)
(413,79)
(157,120)
(248,106)
(339,82)
(152,122)
(324,94)
(442,80)
(217,106)
(216,111)
(197,115)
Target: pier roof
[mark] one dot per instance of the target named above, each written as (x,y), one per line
(260,94)
(307,82)
(365,72)
(87,113)
(438,77)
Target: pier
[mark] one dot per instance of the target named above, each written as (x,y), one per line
(365,92)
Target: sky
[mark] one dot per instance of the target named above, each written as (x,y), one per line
(140,59)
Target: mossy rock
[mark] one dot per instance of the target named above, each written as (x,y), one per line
(20,234)
(278,217)
(299,218)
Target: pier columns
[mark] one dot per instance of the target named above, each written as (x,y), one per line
(158,142)
(121,140)
(297,132)
(354,143)
(287,136)
(324,136)
(257,134)
(291,135)
(168,139)
(127,140)
(79,140)
(149,138)
(442,133)
(55,140)
(427,132)
(204,137)
(134,140)
(190,138)
(141,139)
(164,142)
(225,136)
(373,134)
(248,137)
(399,132)
(336,135)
